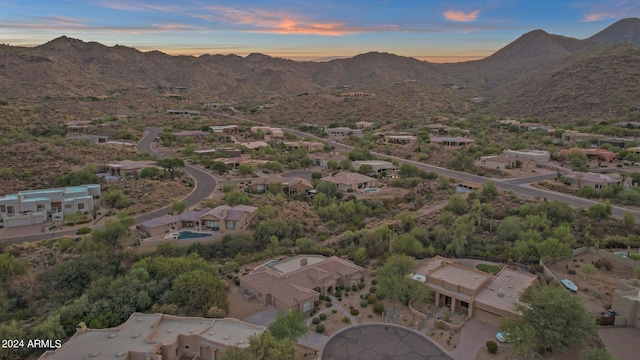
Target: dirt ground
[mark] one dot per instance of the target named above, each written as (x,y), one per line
(239,308)
(595,290)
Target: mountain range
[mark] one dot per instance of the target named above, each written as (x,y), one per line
(539,75)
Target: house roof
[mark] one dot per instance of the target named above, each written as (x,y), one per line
(502,158)
(285,180)
(291,281)
(145,333)
(458,139)
(613,178)
(348,178)
(232,213)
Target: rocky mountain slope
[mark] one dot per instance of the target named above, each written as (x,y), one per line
(538,75)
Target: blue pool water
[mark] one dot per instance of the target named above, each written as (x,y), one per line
(182,235)
(271,262)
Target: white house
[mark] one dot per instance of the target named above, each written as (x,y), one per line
(39,206)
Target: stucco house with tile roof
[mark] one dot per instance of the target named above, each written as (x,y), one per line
(157,337)
(349,180)
(295,283)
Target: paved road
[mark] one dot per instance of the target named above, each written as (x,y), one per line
(474,335)
(205,184)
(529,180)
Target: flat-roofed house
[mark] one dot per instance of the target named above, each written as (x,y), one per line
(399,138)
(456,141)
(224,129)
(626,303)
(347,180)
(342,132)
(378,167)
(157,337)
(364,124)
(290,185)
(307,145)
(196,135)
(592,154)
(124,168)
(538,156)
(322,159)
(32,207)
(482,295)
(596,180)
(501,161)
(295,283)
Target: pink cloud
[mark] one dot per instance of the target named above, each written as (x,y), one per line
(598,17)
(459,16)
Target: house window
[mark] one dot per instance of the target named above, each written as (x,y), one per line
(231,225)
(3,208)
(11,210)
(306,306)
(40,207)
(213,225)
(68,206)
(80,206)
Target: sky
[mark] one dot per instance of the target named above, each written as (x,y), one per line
(431,30)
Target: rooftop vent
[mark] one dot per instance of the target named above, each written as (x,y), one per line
(500,293)
(111,336)
(140,319)
(120,354)
(191,331)
(136,335)
(212,332)
(226,337)
(509,275)
(94,354)
(170,330)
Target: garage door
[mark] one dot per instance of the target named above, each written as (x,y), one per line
(487,316)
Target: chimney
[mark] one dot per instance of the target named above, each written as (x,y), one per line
(304,261)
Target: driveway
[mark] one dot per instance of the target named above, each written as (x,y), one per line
(473,335)
(621,343)
(264,318)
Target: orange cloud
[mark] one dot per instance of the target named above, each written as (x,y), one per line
(459,16)
(263,21)
(598,17)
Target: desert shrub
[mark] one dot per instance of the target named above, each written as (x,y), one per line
(374,282)
(371,299)
(373,290)
(440,325)
(606,263)
(323,317)
(329,304)
(320,328)
(364,303)
(338,294)
(572,272)
(446,317)
(378,308)
(354,312)
(345,319)
(334,311)
(315,321)
(83,230)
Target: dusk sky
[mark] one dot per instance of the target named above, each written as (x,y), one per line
(437,31)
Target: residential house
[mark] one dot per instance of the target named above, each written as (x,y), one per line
(596,180)
(364,124)
(295,283)
(538,156)
(78,127)
(252,145)
(221,219)
(322,159)
(32,207)
(342,132)
(379,168)
(290,185)
(508,122)
(94,139)
(157,337)
(183,112)
(273,132)
(125,168)
(452,141)
(401,138)
(626,303)
(622,143)
(439,129)
(312,127)
(592,154)
(635,125)
(572,136)
(501,161)
(309,146)
(224,129)
(223,152)
(350,181)
(481,295)
(196,135)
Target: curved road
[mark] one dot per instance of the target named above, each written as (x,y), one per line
(504,185)
(205,184)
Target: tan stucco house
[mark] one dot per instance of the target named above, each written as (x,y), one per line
(295,283)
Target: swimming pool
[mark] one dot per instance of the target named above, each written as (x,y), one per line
(271,262)
(183,235)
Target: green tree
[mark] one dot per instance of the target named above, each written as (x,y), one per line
(457,205)
(365,169)
(552,250)
(600,211)
(395,284)
(489,190)
(219,167)
(509,229)
(116,199)
(81,177)
(171,164)
(408,170)
(408,245)
(11,267)
(199,290)
(150,172)
(245,169)
(237,198)
(178,207)
(292,326)
(588,270)
(629,219)
(263,347)
(559,319)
